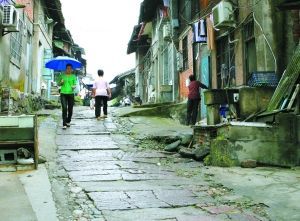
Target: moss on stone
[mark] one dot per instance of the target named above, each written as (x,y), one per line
(221,153)
(207,161)
(115,102)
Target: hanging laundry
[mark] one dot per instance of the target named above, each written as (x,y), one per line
(200,31)
(211,44)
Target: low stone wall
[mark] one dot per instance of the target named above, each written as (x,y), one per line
(175,111)
(14,101)
(237,142)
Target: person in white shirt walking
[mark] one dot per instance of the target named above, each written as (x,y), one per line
(101,92)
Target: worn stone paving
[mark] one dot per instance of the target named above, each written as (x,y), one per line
(112,179)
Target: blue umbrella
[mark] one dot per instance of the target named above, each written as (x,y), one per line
(59,63)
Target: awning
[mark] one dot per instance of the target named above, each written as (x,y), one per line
(132,45)
(290,5)
(123,75)
(57,51)
(136,41)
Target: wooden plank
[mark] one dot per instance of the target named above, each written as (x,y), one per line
(287,82)
(15,134)
(294,97)
(26,121)
(6,121)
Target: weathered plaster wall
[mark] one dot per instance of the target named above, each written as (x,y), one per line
(183,76)
(4,60)
(273,38)
(273,145)
(42,40)
(263,15)
(12,71)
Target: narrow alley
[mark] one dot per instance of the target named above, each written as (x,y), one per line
(102,173)
(150,110)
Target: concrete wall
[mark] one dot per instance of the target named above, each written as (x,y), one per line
(42,40)
(273,145)
(14,72)
(254,100)
(4,60)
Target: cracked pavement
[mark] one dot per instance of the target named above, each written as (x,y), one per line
(109,177)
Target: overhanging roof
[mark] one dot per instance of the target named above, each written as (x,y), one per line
(139,37)
(122,75)
(135,41)
(55,11)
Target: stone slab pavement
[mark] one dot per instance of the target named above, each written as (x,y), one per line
(14,202)
(110,178)
(26,196)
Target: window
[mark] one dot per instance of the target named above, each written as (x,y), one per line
(250,49)
(16,43)
(225,62)
(185,53)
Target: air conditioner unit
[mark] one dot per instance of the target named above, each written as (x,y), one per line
(10,20)
(167,32)
(223,15)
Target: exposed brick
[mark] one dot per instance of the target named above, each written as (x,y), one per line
(28,7)
(183,76)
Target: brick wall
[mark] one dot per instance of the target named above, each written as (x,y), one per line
(183,90)
(28,7)
(204,135)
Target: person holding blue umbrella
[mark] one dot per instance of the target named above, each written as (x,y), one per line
(68,83)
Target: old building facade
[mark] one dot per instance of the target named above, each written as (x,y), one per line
(243,39)
(32,34)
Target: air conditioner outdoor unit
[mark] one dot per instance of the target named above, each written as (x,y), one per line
(223,15)
(167,32)
(10,19)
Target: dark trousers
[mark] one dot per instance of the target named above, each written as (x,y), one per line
(99,101)
(192,111)
(67,103)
